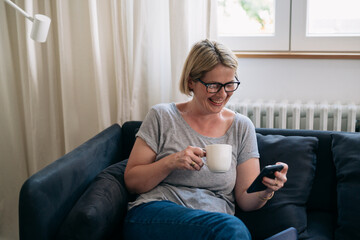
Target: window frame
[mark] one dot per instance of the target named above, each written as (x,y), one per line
(290,35)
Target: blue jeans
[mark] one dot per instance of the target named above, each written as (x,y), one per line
(167,220)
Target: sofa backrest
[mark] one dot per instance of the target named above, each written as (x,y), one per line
(323,193)
(129,129)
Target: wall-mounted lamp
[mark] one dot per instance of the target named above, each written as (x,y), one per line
(41,23)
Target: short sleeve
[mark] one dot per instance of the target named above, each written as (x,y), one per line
(247,140)
(150,130)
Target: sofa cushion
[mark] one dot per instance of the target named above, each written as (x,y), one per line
(287,207)
(320,225)
(98,212)
(346,155)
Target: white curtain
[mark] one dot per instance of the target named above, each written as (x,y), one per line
(105,62)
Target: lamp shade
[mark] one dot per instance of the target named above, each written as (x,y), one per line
(40,28)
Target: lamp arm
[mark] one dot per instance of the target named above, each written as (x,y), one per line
(20,10)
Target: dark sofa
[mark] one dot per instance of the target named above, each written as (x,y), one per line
(82,194)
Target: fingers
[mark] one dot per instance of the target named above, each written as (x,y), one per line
(273,185)
(200,152)
(280,179)
(191,158)
(285,169)
(281,176)
(196,161)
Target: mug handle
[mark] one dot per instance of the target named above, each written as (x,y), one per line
(204,161)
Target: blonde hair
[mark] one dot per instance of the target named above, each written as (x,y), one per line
(202,58)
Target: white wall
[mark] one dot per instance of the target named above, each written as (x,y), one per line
(315,80)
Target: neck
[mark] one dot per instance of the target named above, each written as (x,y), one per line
(191,109)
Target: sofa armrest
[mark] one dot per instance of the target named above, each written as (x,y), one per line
(100,211)
(48,196)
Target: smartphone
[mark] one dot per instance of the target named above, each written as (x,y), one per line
(267,171)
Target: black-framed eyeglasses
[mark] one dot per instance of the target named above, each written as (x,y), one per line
(216,87)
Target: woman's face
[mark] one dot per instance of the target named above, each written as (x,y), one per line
(213,102)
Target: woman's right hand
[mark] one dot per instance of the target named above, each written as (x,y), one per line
(189,159)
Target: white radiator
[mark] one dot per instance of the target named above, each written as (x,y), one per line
(324,116)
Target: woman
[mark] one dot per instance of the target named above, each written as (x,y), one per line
(179,197)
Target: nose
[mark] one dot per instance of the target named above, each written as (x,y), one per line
(222,91)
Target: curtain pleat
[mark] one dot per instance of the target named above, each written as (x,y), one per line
(122,57)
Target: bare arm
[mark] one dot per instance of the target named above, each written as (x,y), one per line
(245,175)
(143,173)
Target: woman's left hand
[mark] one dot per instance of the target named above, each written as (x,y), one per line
(279,181)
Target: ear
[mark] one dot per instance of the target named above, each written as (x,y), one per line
(190,84)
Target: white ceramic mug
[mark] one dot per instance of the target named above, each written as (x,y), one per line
(218,157)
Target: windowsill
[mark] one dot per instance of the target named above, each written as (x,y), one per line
(299,55)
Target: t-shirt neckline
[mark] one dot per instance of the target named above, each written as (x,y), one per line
(173,105)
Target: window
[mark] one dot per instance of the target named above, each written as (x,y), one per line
(337,19)
(290,25)
(325,25)
(246,18)
(274,16)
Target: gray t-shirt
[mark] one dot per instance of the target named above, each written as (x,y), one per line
(165,131)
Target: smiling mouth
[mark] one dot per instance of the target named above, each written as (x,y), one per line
(219,102)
